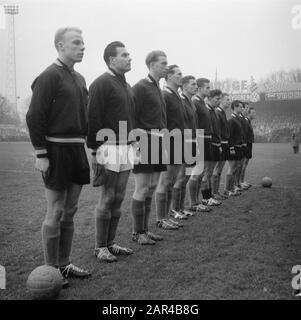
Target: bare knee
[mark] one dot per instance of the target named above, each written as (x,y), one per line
(118,200)
(206,175)
(116,212)
(106,202)
(141,193)
(102,211)
(69,212)
(54,214)
(164,185)
(151,189)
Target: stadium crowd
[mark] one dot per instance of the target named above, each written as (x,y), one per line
(277,120)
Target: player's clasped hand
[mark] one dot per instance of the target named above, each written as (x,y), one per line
(42,164)
(99,173)
(232,152)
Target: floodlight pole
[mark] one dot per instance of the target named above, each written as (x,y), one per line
(12,10)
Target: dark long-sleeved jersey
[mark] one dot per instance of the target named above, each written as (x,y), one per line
(223,124)
(150,108)
(244,128)
(190,115)
(216,136)
(174,110)
(250,131)
(236,131)
(58,107)
(203,116)
(110,101)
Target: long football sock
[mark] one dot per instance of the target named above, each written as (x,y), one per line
(138,212)
(205,190)
(51,243)
(115,217)
(218,182)
(102,226)
(214,183)
(192,186)
(182,198)
(228,182)
(148,207)
(161,205)
(169,201)
(232,182)
(176,198)
(66,236)
(210,193)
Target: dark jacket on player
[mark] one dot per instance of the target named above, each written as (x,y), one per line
(58,107)
(203,116)
(110,101)
(150,108)
(250,131)
(223,124)
(216,135)
(245,127)
(236,131)
(190,114)
(174,110)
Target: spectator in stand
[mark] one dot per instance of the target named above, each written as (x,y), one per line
(295,142)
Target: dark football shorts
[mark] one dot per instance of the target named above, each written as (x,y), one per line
(225,152)
(244,151)
(175,153)
(68,164)
(249,152)
(237,156)
(216,154)
(189,152)
(146,165)
(207,150)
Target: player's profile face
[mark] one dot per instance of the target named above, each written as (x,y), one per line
(72,46)
(215,101)
(159,66)
(122,61)
(176,77)
(205,89)
(227,101)
(191,87)
(240,108)
(243,109)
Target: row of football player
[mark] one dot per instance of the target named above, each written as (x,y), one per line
(58,120)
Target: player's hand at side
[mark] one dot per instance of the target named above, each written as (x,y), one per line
(42,164)
(232,152)
(99,173)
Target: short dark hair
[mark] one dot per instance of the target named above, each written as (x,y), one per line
(215,92)
(235,104)
(186,79)
(153,57)
(170,70)
(110,50)
(201,82)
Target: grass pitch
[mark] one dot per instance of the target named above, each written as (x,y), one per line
(244,249)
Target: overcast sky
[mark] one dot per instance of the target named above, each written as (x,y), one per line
(240,38)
